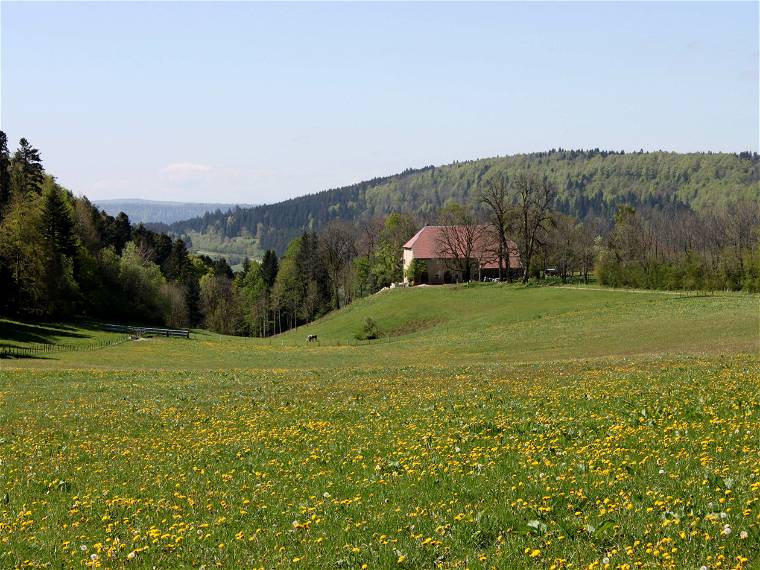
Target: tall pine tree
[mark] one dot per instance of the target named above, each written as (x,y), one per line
(27,171)
(5,173)
(59,236)
(269,267)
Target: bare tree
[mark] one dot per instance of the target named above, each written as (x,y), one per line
(370,232)
(741,221)
(562,245)
(496,196)
(176,305)
(628,238)
(461,241)
(586,238)
(535,196)
(337,249)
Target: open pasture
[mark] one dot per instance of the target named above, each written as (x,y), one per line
(482,324)
(452,447)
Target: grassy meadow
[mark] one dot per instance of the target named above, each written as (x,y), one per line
(31,334)
(490,426)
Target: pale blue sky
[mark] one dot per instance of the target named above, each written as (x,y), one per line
(259,102)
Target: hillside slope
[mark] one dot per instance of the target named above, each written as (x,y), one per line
(464,325)
(514,322)
(590,184)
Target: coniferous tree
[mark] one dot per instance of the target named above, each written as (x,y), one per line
(118,232)
(5,173)
(177,265)
(269,267)
(58,229)
(27,170)
(61,242)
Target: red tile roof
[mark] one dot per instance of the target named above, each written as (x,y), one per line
(426,245)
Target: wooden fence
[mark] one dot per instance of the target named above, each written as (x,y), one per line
(148,331)
(38,350)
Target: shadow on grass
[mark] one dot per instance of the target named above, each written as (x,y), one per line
(40,333)
(23,357)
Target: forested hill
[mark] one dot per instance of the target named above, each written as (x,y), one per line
(591,184)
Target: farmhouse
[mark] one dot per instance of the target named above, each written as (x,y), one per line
(448,251)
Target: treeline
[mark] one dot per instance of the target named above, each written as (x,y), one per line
(62,257)
(590,185)
(665,247)
(680,249)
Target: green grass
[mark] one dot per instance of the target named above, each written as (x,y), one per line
(35,334)
(469,325)
(507,427)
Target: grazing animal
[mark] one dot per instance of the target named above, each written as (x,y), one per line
(311,338)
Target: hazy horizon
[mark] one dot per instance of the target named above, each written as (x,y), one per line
(257,102)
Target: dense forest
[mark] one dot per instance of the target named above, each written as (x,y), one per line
(61,257)
(671,222)
(591,184)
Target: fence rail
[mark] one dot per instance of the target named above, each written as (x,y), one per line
(148,331)
(40,349)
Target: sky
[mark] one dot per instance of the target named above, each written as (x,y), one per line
(259,102)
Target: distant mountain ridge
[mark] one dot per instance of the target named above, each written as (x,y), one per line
(160,212)
(591,184)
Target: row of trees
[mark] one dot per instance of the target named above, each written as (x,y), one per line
(681,249)
(671,247)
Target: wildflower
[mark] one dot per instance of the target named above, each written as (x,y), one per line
(743,534)
(726,530)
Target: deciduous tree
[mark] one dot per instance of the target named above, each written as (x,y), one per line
(534,196)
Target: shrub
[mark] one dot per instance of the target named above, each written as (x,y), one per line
(369,331)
